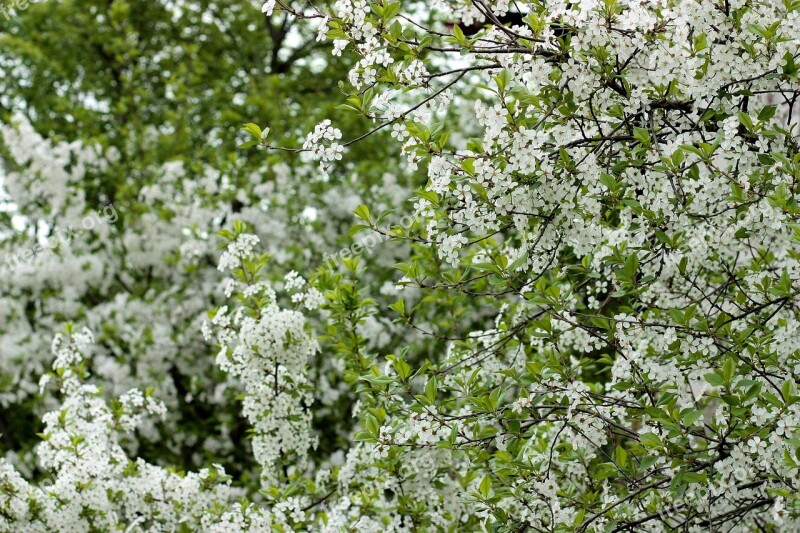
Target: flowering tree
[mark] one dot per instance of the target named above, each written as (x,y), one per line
(571,303)
(117,200)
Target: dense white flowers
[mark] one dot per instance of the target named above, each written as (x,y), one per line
(591,325)
(268,352)
(626,192)
(92,484)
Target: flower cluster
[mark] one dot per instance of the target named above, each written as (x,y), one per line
(323,144)
(267,349)
(91,483)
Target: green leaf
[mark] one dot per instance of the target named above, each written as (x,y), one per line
(363,436)
(650,440)
(502,80)
(632,265)
(690,416)
(728,368)
(402,368)
(362,212)
(486,486)
(745,120)
(430,390)
(460,38)
(752,392)
(700,42)
(372,425)
(767,112)
(787,390)
(605,470)
(621,456)
(609,181)
(253,129)
(694,477)
(518,262)
(642,135)
(380,381)
(400,307)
